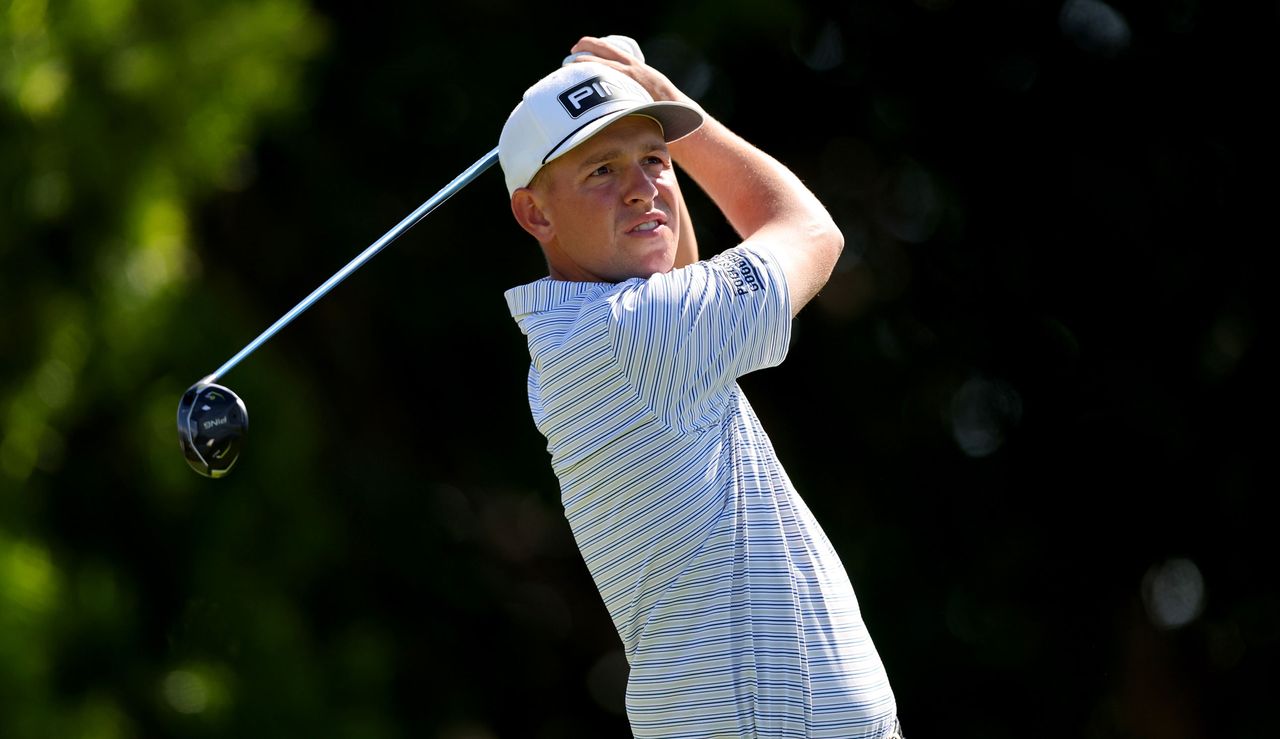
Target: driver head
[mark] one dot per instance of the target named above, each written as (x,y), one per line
(212,422)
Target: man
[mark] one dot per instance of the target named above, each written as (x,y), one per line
(736,614)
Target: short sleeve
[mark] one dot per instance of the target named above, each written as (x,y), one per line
(684,337)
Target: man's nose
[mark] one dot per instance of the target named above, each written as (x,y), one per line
(640,185)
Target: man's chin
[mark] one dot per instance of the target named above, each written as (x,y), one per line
(659,267)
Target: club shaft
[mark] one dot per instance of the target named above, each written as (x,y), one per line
(457,184)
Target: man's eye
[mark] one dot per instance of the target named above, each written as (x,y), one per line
(601,170)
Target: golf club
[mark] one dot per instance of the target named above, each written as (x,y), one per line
(212,420)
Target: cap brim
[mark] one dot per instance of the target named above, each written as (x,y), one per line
(677,120)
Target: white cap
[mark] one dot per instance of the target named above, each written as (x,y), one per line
(572,104)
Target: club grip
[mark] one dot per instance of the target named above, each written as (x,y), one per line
(622,43)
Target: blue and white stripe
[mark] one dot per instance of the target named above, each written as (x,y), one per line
(736,614)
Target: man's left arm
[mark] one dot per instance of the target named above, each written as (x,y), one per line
(687,241)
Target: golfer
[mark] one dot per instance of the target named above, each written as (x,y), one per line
(736,614)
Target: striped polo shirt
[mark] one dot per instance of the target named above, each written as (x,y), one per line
(736,615)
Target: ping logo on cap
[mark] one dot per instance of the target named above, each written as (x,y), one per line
(590,93)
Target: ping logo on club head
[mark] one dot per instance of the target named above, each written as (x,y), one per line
(589,93)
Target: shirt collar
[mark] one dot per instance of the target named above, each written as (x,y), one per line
(545,294)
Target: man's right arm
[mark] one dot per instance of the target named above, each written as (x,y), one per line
(766,203)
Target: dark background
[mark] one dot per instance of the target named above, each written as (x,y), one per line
(1028,408)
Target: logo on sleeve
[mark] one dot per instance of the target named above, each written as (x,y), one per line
(740,272)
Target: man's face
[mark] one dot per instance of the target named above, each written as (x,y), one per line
(610,205)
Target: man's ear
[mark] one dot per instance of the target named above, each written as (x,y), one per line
(528,211)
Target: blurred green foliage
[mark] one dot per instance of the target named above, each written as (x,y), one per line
(117,117)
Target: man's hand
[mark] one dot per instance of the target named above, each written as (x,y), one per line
(653,81)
